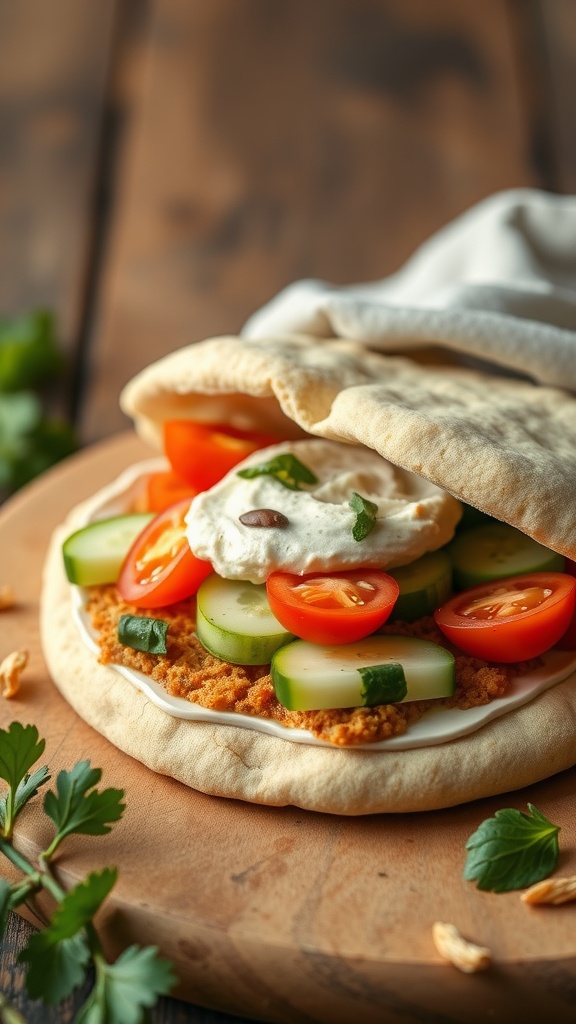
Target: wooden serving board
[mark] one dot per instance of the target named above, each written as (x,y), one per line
(277,913)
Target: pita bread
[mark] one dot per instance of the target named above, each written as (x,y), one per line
(501,445)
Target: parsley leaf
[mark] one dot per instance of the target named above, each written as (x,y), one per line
(20,748)
(55,966)
(286,469)
(512,850)
(81,903)
(126,988)
(80,808)
(5,904)
(366,512)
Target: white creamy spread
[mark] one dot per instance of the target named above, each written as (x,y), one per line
(414,516)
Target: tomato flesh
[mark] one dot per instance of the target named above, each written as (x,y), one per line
(165,488)
(511,619)
(567,641)
(160,567)
(334,608)
(203,453)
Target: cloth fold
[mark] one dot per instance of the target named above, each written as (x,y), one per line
(497,286)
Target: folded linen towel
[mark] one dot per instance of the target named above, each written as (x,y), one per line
(497,286)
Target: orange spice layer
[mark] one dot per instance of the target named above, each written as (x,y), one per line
(189,671)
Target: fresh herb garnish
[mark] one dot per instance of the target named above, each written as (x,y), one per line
(143,633)
(383,684)
(512,850)
(286,469)
(366,512)
(59,956)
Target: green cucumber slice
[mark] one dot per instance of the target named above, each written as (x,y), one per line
(234,622)
(94,554)
(424,585)
(309,677)
(497,550)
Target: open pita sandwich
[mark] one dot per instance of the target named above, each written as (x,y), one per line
(419,445)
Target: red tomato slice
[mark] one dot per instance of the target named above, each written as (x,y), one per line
(160,567)
(203,453)
(510,619)
(332,608)
(567,641)
(165,488)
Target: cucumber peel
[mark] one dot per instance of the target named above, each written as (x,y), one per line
(235,623)
(310,677)
(94,554)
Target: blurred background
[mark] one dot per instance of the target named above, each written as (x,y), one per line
(166,166)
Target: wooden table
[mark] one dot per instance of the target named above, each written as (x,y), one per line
(166,166)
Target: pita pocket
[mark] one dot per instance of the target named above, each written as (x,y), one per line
(503,446)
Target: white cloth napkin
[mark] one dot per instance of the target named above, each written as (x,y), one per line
(497,286)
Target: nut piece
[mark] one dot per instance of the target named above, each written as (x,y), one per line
(551,890)
(11,669)
(466,956)
(263,517)
(7,597)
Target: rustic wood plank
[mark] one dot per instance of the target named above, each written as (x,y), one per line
(274,142)
(557,25)
(53,62)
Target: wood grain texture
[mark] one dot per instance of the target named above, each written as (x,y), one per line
(275,142)
(276,913)
(53,65)
(557,24)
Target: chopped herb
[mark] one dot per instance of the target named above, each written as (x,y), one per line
(143,633)
(383,684)
(286,469)
(366,512)
(59,957)
(512,850)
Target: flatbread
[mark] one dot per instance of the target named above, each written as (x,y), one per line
(504,446)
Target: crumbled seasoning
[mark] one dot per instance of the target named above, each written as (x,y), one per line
(189,671)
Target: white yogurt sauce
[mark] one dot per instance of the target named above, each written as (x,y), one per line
(414,516)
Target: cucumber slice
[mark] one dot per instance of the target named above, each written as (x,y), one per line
(424,585)
(497,550)
(95,553)
(308,677)
(234,622)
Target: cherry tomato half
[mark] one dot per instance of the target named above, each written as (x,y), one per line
(165,488)
(567,641)
(203,453)
(510,619)
(160,567)
(332,608)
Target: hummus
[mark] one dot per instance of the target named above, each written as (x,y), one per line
(413,515)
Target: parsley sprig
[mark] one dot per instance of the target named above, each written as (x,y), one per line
(512,850)
(59,956)
(285,468)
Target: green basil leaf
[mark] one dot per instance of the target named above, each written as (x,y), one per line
(383,684)
(286,469)
(143,633)
(512,850)
(366,512)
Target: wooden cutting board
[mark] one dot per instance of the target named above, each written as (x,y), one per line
(280,914)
